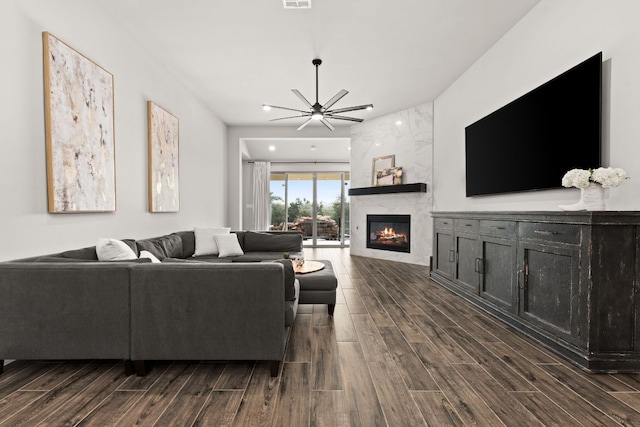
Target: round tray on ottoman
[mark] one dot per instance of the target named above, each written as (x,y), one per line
(308,267)
(319,286)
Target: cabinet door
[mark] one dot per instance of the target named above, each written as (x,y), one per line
(444,256)
(498,272)
(549,288)
(466,272)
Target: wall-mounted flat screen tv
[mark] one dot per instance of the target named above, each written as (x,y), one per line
(531,142)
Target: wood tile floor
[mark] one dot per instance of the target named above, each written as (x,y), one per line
(400,351)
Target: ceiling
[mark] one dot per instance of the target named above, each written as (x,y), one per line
(299,150)
(238,54)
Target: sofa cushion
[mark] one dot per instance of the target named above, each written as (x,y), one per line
(205,258)
(228,245)
(265,242)
(162,247)
(88,254)
(257,257)
(63,259)
(200,260)
(188,242)
(240,235)
(114,250)
(205,243)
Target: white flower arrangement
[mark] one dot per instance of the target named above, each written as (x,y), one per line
(607,177)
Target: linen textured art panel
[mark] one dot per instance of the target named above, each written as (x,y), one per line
(79,121)
(164,188)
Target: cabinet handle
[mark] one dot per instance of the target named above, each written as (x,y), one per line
(545,232)
(478,267)
(445,222)
(498,227)
(468,225)
(452,256)
(519,279)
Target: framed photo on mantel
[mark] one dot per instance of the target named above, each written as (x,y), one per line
(380,163)
(79,128)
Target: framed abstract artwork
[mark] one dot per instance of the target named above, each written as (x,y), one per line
(79,127)
(164,156)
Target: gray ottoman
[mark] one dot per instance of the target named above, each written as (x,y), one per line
(319,287)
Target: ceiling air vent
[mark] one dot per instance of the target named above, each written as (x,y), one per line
(297,4)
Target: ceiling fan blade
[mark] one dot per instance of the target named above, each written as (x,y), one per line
(353,119)
(284,108)
(302,98)
(327,124)
(302,126)
(289,117)
(344,110)
(338,96)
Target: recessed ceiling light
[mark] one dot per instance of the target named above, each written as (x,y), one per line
(272,148)
(349,148)
(313,148)
(296,4)
(266,107)
(377,144)
(399,122)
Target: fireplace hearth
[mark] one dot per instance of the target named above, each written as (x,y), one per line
(389,232)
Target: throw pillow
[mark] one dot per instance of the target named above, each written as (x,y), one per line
(228,245)
(114,250)
(149,255)
(205,242)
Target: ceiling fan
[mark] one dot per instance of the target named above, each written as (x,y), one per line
(317,111)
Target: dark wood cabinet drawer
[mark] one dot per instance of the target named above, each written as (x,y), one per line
(443,223)
(561,233)
(504,229)
(466,225)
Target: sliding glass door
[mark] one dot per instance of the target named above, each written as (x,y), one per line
(314,203)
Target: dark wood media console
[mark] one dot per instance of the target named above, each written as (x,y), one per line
(569,280)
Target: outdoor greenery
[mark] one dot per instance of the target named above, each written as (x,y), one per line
(303,208)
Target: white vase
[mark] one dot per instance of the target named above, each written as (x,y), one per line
(591,199)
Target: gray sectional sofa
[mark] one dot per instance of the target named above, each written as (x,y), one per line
(71,306)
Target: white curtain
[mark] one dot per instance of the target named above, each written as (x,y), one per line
(261,195)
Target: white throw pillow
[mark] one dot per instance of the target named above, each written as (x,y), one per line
(205,242)
(228,245)
(147,254)
(114,250)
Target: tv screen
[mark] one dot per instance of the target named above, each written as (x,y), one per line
(531,142)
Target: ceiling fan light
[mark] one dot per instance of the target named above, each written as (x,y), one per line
(369,107)
(317,116)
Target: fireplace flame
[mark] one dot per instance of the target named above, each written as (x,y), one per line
(389,235)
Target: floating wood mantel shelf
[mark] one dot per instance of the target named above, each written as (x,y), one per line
(418,187)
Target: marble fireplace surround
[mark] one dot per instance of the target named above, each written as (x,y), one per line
(411,142)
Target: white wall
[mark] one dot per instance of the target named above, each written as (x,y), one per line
(553,37)
(26,227)
(411,142)
(235,173)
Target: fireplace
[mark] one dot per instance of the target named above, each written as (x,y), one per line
(389,232)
